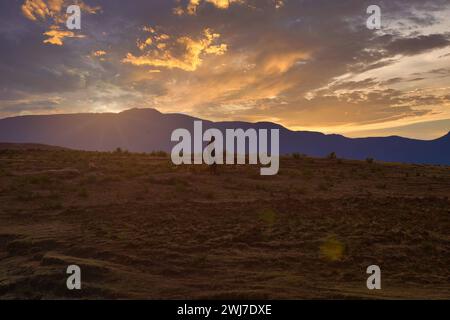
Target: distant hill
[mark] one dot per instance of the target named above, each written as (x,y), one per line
(28,146)
(145,130)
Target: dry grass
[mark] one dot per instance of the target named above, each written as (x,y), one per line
(140,227)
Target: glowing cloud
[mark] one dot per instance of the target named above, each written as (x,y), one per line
(36,9)
(56,36)
(183,53)
(53,11)
(99,53)
(296,65)
(193,5)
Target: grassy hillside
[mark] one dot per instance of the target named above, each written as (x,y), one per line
(140,227)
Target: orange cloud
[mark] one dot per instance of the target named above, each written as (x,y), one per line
(53,11)
(99,53)
(282,62)
(193,5)
(43,9)
(182,53)
(56,36)
(35,9)
(55,5)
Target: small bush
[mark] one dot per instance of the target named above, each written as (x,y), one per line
(268,216)
(370,160)
(332,156)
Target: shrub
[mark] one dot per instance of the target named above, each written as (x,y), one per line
(370,160)
(268,216)
(332,156)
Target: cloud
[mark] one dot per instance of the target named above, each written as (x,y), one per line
(29,106)
(183,52)
(56,36)
(36,9)
(44,9)
(419,44)
(53,13)
(99,53)
(193,5)
(307,64)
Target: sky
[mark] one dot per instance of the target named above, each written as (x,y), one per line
(305,64)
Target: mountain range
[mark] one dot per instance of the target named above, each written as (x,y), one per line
(146,130)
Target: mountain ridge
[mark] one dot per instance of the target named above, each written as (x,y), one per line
(147,129)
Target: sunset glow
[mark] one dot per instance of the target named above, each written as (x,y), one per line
(307,65)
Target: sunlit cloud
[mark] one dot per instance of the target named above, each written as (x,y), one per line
(52,9)
(56,36)
(182,52)
(99,53)
(52,12)
(193,5)
(308,65)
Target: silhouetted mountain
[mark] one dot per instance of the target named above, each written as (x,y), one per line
(145,130)
(28,146)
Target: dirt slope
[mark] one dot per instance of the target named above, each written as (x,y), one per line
(141,228)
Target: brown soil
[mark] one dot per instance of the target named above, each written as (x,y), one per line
(140,227)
